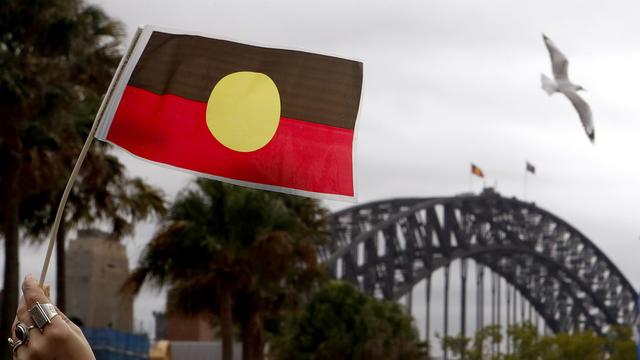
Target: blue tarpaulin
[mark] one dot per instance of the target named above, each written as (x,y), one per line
(109,344)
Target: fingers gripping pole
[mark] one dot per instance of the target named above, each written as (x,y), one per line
(83,155)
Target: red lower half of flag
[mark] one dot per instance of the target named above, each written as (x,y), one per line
(172,130)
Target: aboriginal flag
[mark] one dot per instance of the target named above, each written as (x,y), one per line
(269,118)
(476,171)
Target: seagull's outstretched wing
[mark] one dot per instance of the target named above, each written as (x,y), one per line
(584,111)
(559,62)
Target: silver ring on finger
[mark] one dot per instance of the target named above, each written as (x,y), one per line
(22,332)
(42,314)
(15,344)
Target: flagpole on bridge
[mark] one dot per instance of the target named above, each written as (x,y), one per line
(528,168)
(525,183)
(471,180)
(83,153)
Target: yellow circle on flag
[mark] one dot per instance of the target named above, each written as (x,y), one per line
(243,111)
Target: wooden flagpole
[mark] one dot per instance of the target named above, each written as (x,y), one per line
(83,154)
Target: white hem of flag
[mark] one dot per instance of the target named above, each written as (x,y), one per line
(354,143)
(118,89)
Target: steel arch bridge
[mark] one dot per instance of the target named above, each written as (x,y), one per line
(387,247)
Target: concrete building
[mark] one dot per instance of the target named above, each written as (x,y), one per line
(191,350)
(175,326)
(189,328)
(97,266)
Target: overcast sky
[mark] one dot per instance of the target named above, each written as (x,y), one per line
(447,83)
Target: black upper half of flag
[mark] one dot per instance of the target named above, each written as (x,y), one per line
(312,87)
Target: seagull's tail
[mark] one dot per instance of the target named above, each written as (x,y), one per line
(548,85)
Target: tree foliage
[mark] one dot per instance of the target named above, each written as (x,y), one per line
(228,250)
(339,322)
(56,58)
(477,348)
(104,194)
(620,343)
(528,344)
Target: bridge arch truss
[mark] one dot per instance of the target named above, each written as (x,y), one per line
(387,247)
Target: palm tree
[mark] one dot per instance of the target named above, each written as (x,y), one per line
(223,247)
(282,255)
(51,61)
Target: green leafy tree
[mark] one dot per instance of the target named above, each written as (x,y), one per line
(223,247)
(54,56)
(339,322)
(457,345)
(477,349)
(582,345)
(527,343)
(620,343)
(484,340)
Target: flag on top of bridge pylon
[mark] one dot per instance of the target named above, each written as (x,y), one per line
(476,171)
(530,168)
(268,118)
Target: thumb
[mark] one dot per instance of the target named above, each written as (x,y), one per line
(32,292)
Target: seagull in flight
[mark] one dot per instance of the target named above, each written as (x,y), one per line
(562,84)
